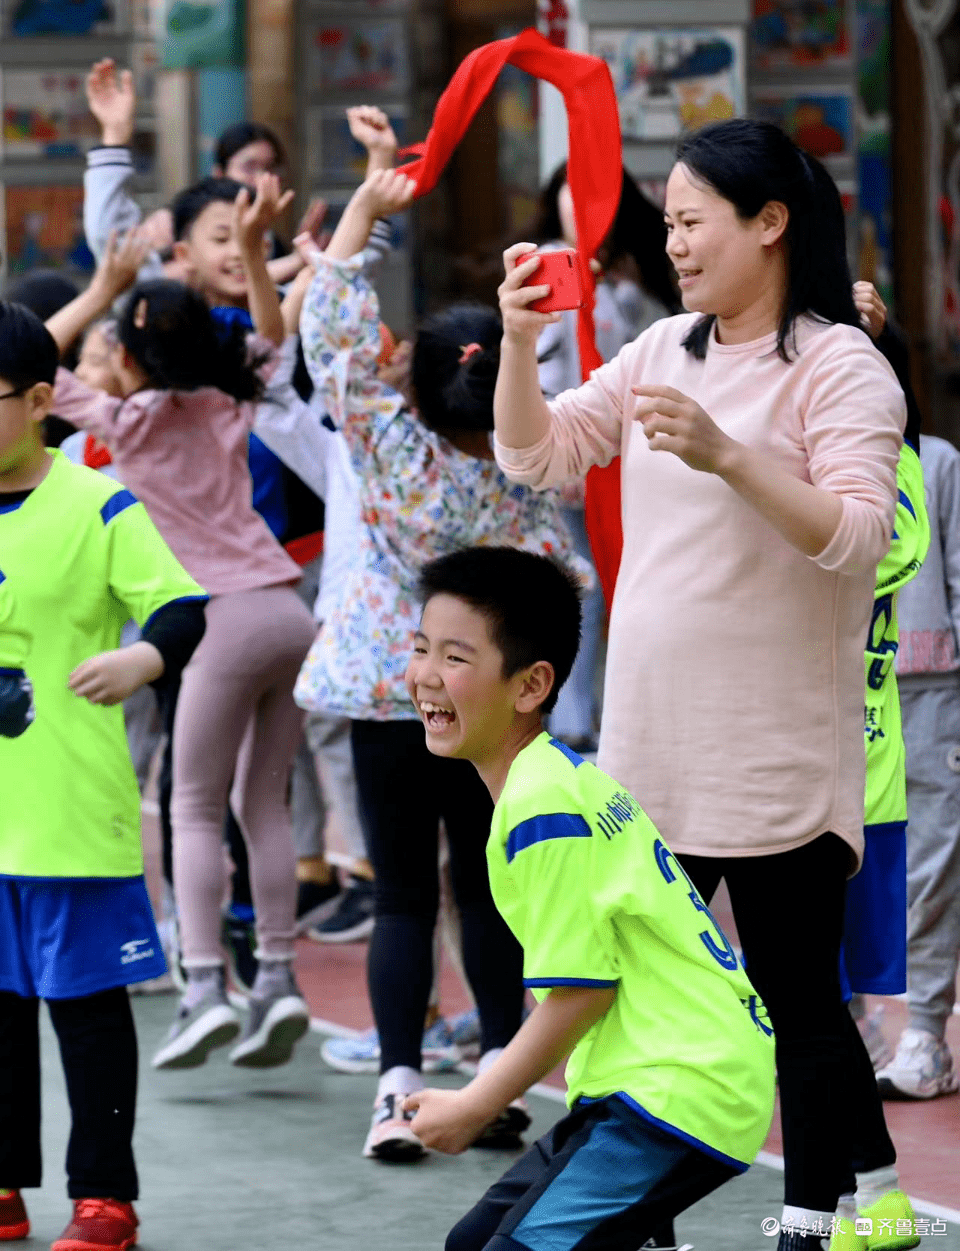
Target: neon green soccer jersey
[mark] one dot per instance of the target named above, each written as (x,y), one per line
(886,789)
(79,557)
(596,898)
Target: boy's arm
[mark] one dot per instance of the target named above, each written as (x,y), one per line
(251,221)
(107,206)
(450,1120)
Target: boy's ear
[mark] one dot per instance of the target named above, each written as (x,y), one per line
(537,685)
(40,399)
(183,252)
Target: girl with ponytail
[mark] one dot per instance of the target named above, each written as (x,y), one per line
(428,484)
(178,431)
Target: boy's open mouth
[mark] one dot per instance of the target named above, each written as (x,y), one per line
(437,718)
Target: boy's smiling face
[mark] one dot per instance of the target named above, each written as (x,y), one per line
(211,256)
(455,678)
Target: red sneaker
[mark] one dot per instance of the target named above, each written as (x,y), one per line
(99,1225)
(13,1216)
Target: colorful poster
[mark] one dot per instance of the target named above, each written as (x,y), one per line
(63,17)
(354,56)
(45,114)
(671,80)
(208,35)
(799,34)
(821,120)
(875,244)
(44,227)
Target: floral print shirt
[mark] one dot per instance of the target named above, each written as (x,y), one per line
(420,498)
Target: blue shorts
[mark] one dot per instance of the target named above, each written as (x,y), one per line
(602,1177)
(63,938)
(873,956)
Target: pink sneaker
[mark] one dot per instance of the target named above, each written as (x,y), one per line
(391,1137)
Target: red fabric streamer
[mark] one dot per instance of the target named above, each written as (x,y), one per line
(96,454)
(594,174)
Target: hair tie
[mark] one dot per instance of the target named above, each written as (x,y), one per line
(471,349)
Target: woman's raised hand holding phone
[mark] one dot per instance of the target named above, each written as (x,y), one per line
(521,324)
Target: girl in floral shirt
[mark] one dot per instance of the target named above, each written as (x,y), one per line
(428,485)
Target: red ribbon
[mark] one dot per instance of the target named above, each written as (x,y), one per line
(594,174)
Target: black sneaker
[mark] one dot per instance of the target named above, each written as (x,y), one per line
(352,919)
(316,901)
(240,942)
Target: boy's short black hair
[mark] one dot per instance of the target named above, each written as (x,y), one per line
(28,352)
(532,605)
(189,204)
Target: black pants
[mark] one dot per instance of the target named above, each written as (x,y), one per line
(601,1160)
(789,914)
(98,1047)
(404,791)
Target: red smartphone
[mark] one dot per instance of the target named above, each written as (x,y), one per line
(561,271)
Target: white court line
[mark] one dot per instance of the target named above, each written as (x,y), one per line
(766,1158)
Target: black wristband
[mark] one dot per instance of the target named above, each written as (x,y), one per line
(175,630)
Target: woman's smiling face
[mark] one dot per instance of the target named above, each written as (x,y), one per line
(721,259)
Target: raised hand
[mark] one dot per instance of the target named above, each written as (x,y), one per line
(873,311)
(520,323)
(253,216)
(121,262)
(371,127)
(112,101)
(386,191)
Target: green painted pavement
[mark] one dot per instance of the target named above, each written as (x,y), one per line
(232,1160)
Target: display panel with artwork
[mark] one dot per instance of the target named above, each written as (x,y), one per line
(819,120)
(45,114)
(333,155)
(26,18)
(671,80)
(799,34)
(45,229)
(355,56)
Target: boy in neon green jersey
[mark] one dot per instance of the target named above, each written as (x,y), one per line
(78,557)
(670,1081)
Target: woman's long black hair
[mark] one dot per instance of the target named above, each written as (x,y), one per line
(638,231)
(170,332)
(752,163)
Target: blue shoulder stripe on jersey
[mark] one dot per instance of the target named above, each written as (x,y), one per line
(905,501)
(11,508)
(546,982)
(3,576)
(570,754)
(116,504)
(543,828)
(181,599)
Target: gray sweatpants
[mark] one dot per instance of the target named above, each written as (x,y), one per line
(931,733)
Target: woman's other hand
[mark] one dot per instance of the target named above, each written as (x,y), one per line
(674,423)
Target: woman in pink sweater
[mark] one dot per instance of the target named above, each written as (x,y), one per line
(759,434)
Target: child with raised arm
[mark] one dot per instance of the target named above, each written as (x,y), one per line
(671,1077)
(178,437)
(76,926)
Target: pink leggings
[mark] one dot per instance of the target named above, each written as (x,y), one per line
(236,719)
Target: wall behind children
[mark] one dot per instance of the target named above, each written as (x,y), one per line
(46,50)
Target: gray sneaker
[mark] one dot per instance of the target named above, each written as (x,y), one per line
(198,1030)
(275,1024)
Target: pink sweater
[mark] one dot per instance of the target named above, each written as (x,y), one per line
(184,456)
(733,707)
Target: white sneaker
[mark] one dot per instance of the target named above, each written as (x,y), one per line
(390,1137)
(921,1069)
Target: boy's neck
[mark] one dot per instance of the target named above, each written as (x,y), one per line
(494,769)
(29,473)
